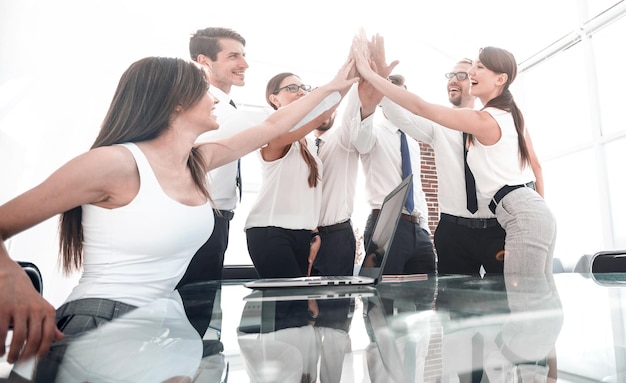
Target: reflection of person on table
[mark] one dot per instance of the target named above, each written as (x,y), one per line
(289,342)
(153,343)
(525,344)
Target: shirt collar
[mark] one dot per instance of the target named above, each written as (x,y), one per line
(389,126)
(220,94)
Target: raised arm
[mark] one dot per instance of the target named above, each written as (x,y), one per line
(478,123)
(323,101)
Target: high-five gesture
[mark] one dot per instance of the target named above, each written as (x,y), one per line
(377,56)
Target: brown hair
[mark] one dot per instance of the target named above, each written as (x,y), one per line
(207,42)
(272,85)
(500,60)
(141,109)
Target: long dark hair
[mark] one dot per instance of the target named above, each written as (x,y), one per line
(500,60)
(272,86)
(141,109)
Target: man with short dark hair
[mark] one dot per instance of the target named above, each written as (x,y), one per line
(221,51)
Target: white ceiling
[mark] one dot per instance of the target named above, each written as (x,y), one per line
(102,37)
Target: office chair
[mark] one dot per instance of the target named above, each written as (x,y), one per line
(609,267)
(34,274)
(613,261)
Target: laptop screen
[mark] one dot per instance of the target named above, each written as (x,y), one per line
(378,248)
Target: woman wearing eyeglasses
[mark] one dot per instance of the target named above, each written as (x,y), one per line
(287,209)
(498,153)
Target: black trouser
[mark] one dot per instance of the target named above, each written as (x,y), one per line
(208,262)
(411,250)
(277,252)
(337,252)
(462,250)
(199,303)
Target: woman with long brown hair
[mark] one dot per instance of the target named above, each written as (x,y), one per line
(287,209)
(135,207)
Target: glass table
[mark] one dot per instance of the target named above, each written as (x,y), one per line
(563,327)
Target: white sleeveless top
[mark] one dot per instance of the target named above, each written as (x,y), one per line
(285,198)
(139,252)
(497,165)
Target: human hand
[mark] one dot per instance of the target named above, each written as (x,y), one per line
(316,243)
(314,311)
(32,317)
(345,78)
(361,54)
(377,55)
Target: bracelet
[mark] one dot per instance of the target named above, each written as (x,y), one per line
(311,317)
(314,234)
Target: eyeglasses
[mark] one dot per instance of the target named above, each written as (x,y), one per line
(293,88)
(459,75)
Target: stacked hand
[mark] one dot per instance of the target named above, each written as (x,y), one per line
(369,56)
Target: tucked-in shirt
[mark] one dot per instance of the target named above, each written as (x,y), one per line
(139,252)
(448,147)
(285,198)
(341,164)
(499,164)
(382,165)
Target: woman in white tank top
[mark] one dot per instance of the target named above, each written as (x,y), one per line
(135,207)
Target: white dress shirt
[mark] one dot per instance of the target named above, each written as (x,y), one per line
(382,164)
(222,180)
(286,200)
(448,147)
(341,164)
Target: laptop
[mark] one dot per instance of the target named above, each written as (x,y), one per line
(371,268)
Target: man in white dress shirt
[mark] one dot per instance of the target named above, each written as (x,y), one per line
(221,51)
(412,250)
(341,161)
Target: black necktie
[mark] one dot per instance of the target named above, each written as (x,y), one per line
(238,177)
(318,141)
(406,170)
(470,183)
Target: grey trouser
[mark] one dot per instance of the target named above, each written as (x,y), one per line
(530,232)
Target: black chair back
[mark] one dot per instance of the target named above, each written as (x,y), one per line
(609,267)
(34,274)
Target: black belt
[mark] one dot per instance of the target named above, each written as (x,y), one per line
(472,223)
(226,214)
(406,217)
(98,307)
(504,190)
(336,227)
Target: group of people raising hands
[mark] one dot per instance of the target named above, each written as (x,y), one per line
(511,229)
(146,167)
